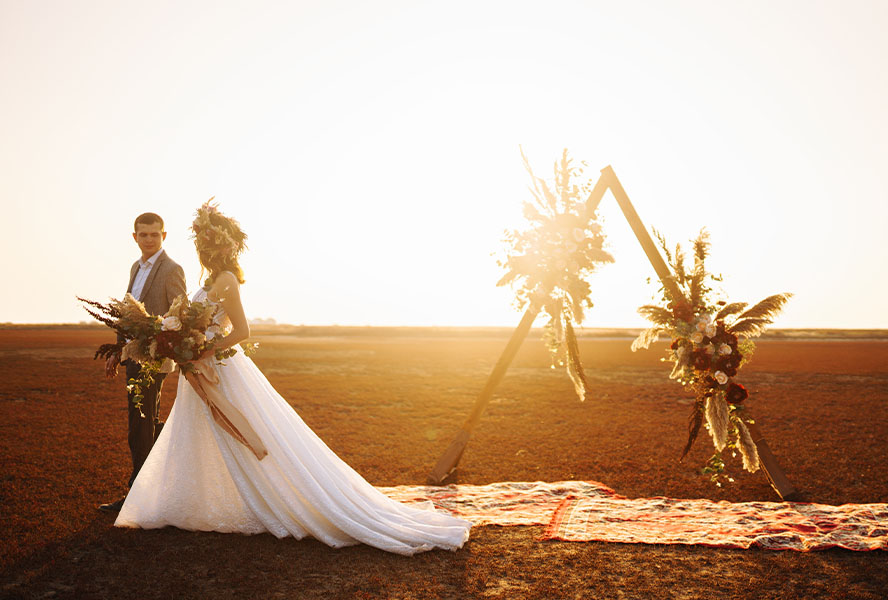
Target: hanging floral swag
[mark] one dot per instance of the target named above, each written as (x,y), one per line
(548,264)
(710,342)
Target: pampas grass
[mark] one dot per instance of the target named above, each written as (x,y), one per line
(718,417)
(748,449)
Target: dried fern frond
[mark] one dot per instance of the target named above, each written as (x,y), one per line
(750,327)
(550,197)
(701,247)
(535,191)
(694,423)
(718,417)
(663,245)
(731,309)
(106,350)
(678,267)
(696,286)
(748,449)
(656,314)
(767,308)
(102,319)
(646,338)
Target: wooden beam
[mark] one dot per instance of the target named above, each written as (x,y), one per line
(448,461)
(641,233)
(770,466)
(767,459)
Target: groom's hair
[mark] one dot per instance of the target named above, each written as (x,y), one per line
(148,219)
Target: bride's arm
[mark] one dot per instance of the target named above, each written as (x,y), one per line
(227,290)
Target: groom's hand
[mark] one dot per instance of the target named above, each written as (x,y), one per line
(111,365)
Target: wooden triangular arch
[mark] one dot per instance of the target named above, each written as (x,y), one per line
(608,180)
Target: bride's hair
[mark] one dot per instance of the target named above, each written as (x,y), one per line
(219,241)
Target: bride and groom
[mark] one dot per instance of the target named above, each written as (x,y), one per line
(197,476)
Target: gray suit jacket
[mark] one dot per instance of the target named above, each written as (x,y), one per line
(165,281)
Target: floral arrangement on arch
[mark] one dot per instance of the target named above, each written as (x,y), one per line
(548,264)
(710,343)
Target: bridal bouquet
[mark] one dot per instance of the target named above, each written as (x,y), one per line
(181,335)
(710,342)
(550,262)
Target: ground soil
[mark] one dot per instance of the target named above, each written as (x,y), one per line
(389,406)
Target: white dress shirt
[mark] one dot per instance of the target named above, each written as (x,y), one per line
(145,267)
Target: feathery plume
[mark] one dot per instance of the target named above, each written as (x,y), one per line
(646,338)
(748,449)
(767,308)
(730,309)
(719,420)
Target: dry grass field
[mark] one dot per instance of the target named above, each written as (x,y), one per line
(388,404)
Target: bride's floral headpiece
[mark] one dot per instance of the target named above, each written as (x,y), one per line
(217,236)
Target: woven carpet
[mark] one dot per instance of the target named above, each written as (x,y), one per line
(584,511)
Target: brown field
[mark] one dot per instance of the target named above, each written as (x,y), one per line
(389,404)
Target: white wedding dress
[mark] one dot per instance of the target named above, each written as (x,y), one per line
(198,477)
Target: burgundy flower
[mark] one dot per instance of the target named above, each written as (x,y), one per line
(674,345)
(732,361)
(730,371)
(166,343)
(682,311)
(710,383)
(736,393)
(700,359)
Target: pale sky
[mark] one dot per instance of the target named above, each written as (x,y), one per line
(370,149)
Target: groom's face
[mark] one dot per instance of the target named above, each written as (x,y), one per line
(149,237)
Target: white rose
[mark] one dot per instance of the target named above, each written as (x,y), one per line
(697,337)
(703,321)
(711,330)
(578,235)
(171,324)
(724,349)
(721,378)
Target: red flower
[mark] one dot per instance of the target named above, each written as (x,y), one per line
(710,384)
(682,311)
(736,393)
(700,359)
(166,343)
(674,345)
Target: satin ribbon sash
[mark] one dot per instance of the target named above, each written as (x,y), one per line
(205,381)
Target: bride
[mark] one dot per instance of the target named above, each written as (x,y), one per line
(199,477)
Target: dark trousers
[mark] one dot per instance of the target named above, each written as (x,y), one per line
(143,430)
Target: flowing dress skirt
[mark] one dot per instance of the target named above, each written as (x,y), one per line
(198,477)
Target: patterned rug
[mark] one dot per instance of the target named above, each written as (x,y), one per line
(582,511)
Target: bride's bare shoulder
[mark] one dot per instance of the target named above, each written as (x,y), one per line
(224,286)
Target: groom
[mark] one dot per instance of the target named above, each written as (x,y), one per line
(155,280)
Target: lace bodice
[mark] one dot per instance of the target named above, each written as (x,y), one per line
(221,323)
